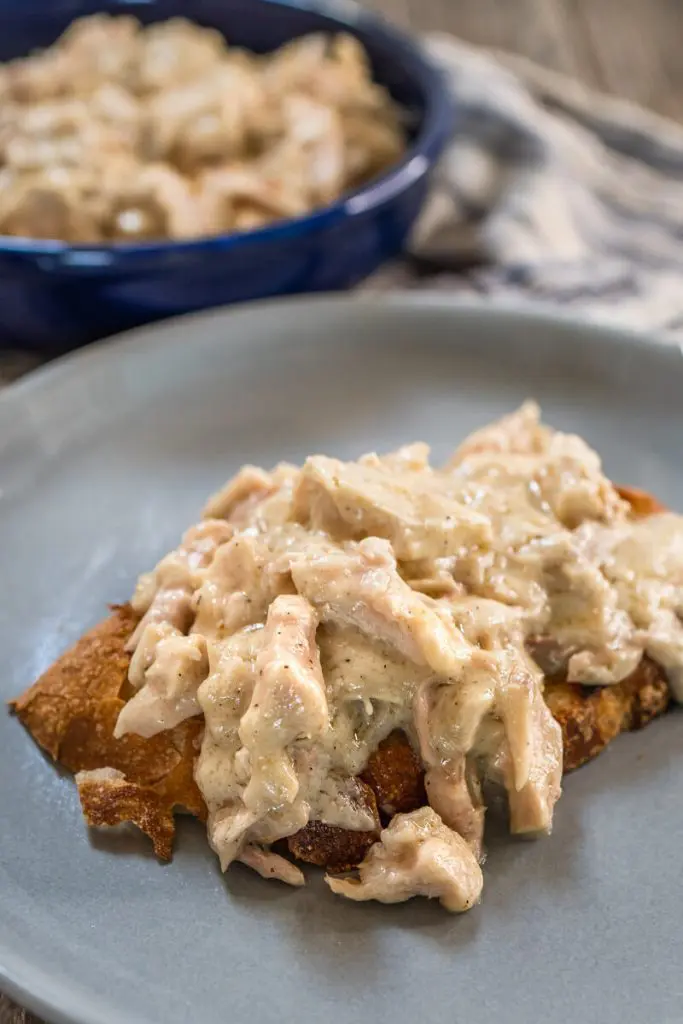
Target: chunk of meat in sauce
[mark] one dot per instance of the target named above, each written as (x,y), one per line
(165,594)
(359,585)
(417,855)
(288,702)
(454,792)
(169,694)
(412,510)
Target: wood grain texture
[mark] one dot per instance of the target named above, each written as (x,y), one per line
(11,1014)
(627,47)
(637,47)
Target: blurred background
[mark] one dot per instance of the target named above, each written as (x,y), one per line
(154,169)
(630,48)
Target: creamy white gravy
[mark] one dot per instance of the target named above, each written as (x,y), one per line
(316,609)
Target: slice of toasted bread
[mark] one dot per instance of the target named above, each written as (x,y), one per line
(590,718)
(108,798)
(71,712)
(72,709)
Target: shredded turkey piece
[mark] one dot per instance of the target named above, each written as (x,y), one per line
(119,132)
(417,855)
(317,609)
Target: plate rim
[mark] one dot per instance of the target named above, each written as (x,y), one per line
(151,336)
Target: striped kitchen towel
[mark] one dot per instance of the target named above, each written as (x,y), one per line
(552,193)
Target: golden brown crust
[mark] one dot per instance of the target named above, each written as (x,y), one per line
(395,774)
(590,718)
(72,709)
(642,504)
(94,670)
(336,849)
(114,801)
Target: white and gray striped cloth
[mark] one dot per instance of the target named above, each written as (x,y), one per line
(548,192)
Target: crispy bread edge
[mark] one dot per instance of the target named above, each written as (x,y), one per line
(71,712)
(63,711)
(72,709)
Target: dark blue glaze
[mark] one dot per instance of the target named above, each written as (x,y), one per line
(55,296)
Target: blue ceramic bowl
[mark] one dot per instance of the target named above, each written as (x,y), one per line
(55,296)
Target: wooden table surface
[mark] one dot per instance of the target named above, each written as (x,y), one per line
(627,47)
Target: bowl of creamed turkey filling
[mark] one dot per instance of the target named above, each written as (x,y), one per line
(188,155)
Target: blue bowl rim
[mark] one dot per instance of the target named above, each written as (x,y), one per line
(418,159)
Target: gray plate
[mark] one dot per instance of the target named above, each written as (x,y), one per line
(104,458)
